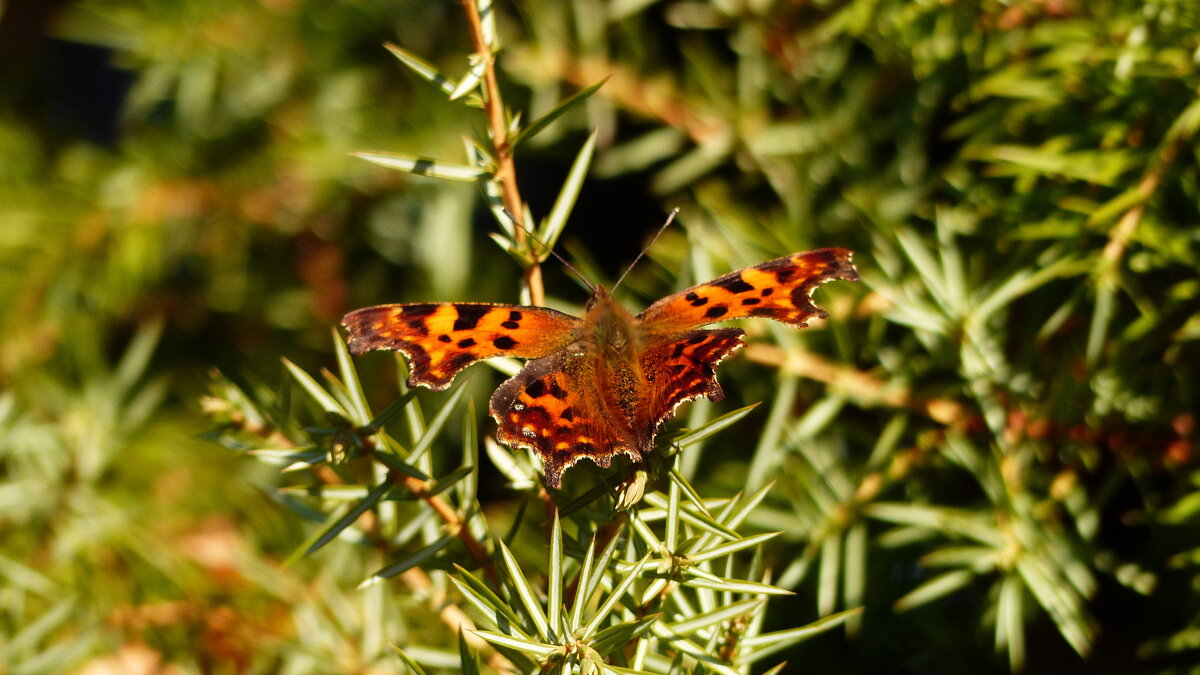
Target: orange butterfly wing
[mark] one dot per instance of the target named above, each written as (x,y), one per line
(683,367)
(443,338)
(779,289)
(680,360)
(555,407)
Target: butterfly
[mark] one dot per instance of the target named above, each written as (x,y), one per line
(599,385)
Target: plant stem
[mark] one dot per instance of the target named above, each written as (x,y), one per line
(506,172)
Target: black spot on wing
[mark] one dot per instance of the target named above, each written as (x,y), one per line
(716,312)
(443,338)
(504,342)
(467,342)
(418,311)
(455,363)
(536,389)
(557,391)
(696,300)
(734,284)
(514,315)
(469,316)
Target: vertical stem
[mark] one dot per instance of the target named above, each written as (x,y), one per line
(506,173)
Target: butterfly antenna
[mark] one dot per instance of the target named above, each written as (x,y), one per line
(542,245)
(670,219)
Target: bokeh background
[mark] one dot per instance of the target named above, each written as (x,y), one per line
(1001,417)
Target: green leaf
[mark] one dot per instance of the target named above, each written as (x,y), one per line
(62,613)
(934,588)
(422,68)
(583,596)
(323,398)
(335,528)
(1064,606)
(738,510)
(620,635)
(556,572)
(412,665)
(663,631)
(519,473)
(693,436)
(557,220)
(132,365)
(697,578)
(470,81)
(938,519)
(538,650)
(609,668)
(469,488)
(391,460)
(613,598)
(487,22)
(544,121)
(349,376)
(449,480)
(700,520)
(1010,624)
(671,538)
(302,457)
(425,166)
(393,410)
(529,600)
(434,428)
(732,547)
(759,646)
(468,659)
(828,572)
(492,606)
(25,578)
(717,616)
(409,562)
(343,493)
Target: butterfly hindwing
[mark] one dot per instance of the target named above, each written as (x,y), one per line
(779,289)
(683,367)
(552,408)
(441,339)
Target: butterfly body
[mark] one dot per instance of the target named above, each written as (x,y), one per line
(600,385)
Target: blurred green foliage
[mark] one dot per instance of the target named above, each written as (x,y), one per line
(990,446)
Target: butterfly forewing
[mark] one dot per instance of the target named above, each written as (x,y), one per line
(779,289)
(441,339)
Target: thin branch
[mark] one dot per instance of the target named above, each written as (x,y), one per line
(456,525)
(859,385)
(367,522)
(1121,233)
(506,173)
